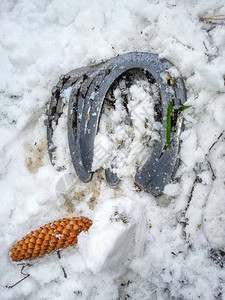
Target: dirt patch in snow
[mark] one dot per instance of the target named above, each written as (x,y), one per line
(35,154)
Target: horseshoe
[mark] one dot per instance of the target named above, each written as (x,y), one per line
(160,167)
(89,88)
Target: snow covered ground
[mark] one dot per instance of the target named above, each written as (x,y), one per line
(139,247)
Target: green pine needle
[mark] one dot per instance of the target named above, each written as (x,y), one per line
(168,123)
(168,120)
(183,107)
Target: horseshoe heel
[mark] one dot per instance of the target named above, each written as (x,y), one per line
(75,114)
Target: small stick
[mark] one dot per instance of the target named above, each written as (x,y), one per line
(22,270)
(185,222)
(205,46)
(64,272)
(26,275)
(216,141)
(213,174)
(210,166)
(11,286)
(24,265)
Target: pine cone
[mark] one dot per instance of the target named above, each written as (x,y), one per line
(50,237)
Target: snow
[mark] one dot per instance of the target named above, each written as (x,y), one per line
(139,246)
(118,145)
(117,219)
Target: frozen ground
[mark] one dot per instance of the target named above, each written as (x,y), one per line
(139,247)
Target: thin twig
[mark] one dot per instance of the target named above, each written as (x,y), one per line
(22,270)
(205,46)
(11,286)
(213,174)
(58,253)
(216,141)
(24,265)
(184,221)
(210,166)
(64,272)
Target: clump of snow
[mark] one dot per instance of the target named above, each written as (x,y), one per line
(59,139)
(122,219)
(127,131)
(172,189)
(138,247)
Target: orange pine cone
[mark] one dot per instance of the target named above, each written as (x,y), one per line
(50,237)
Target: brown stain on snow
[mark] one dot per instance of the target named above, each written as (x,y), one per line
(75,196)
(91,191)
(35,154)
